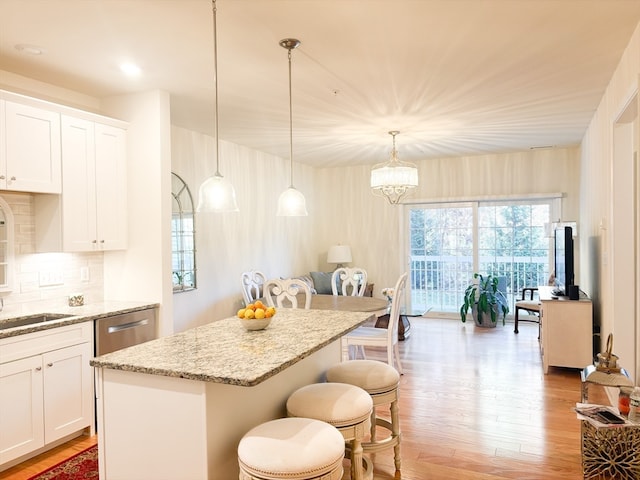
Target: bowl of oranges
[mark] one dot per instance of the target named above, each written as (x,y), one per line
(256,316)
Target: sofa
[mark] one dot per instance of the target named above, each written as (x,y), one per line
(320,283)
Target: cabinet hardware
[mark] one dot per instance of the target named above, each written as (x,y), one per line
(38,369)
(49,364)
(127,326)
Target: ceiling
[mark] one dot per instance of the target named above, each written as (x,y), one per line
(455,77)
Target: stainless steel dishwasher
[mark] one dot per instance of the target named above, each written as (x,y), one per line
(125,330)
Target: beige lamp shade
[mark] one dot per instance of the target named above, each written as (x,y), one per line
(339,254)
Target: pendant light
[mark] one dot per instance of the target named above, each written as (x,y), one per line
(291,202)
(394,179)
(216,194)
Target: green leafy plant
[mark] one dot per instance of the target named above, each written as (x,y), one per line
(484,296)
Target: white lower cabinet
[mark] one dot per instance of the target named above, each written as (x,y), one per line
(47,395)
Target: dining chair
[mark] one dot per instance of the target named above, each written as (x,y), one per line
(531,304)
(362,337)
(252,285)
(283,293)
(349,281)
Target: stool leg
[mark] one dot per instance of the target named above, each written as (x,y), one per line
(395,432)
(373,424)
(356,460)
(515,330)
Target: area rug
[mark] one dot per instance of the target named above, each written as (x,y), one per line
(81,466)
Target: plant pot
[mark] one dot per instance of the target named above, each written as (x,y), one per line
(484,320)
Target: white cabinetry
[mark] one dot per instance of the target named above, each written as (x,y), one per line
(46,388)
(30,148)
(91,213)
(566,331)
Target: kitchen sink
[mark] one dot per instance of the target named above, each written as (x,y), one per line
(31,320)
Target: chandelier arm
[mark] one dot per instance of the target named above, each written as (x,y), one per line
(215,85)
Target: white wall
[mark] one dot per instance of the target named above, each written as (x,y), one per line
(253,238)
(341,208)
(143,271)
(599,222)
(348,213)
(27,293)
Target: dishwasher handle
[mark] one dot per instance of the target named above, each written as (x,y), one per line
(127,326)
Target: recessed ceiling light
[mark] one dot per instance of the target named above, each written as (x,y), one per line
(130,69)
(30,49)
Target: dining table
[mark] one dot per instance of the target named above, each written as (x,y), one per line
(348,303)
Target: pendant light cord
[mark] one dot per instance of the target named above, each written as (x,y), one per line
(290,125)
(215,84)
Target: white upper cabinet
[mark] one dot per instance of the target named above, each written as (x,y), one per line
(91,213)
(30,141)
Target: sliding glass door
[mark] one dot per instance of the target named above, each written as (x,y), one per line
(449,242)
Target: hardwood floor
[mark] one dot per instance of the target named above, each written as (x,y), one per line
(38,464)
(474,404)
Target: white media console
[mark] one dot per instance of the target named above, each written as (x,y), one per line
(566,330)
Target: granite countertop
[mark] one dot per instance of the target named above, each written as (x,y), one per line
(224,352)
(83,313)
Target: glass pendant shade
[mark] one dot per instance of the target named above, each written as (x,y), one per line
(394,179)
(291,203)
(216,195)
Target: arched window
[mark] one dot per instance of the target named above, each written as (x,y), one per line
(183,241)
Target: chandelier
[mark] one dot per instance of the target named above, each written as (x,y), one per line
(394,179)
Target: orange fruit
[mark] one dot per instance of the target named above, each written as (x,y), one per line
(248,314)
(270,312)
(241,313)
(251,306)
(260,313)
(259,304)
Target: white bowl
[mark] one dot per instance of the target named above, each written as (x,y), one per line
(255,324)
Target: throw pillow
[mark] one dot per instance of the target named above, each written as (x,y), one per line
(322,282)
(309,281)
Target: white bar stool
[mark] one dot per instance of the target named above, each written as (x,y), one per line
(346,407)
(291,448)
(381,382)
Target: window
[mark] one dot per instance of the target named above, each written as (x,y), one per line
(183,245)
(449,242)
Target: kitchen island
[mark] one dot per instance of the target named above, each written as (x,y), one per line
(176,407)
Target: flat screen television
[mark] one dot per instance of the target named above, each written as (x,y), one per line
(563,256)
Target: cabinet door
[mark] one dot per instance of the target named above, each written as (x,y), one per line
(32,150)
(21,408)
(79,179)
(111,187)
(568,333)
(68,391)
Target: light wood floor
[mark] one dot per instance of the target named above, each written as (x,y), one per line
(474,404)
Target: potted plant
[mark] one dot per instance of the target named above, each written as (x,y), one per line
(485,301)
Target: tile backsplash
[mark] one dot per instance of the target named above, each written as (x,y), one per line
(47,277)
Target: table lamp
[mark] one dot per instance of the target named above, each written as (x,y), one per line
(339,254)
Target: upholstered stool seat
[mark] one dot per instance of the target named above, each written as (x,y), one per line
(346,407)
(291,448)
(381,382)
